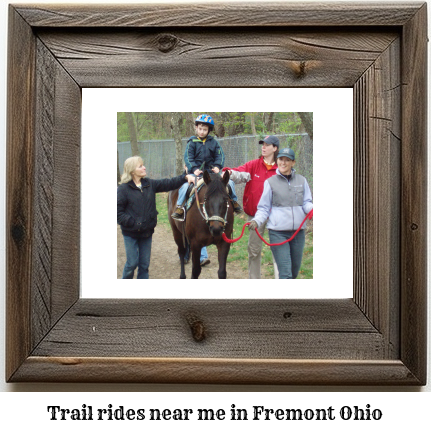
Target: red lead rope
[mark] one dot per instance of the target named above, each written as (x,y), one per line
(308,216)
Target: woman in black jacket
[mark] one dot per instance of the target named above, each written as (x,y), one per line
(137,213)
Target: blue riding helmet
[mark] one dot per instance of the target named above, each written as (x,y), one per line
(205,119)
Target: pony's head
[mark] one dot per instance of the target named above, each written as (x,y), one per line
(216,202)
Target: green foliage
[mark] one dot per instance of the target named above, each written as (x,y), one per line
(162,208)
(290,122)
(283,122)
(122,130)
(157,125)
(306,270)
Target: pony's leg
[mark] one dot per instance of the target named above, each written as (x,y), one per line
(196,260)
(182,254)
(178,235)
(223,250)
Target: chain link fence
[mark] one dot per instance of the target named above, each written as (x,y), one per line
(159,155)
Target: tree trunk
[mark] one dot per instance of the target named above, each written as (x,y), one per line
(132,133)
(237,123)
(118,168)
(219,128)
(307,122)
(176,121)
(190,123)
(267,120)
(253,124)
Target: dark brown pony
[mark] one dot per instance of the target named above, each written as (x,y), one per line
(204,226)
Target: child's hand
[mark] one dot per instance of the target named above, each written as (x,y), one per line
(197,172)
(215,170)
(190,179)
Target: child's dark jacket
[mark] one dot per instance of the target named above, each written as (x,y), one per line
(198,152)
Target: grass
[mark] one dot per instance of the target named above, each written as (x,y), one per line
(162,208)
(238,250)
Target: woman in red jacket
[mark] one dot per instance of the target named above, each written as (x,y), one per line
(254,173)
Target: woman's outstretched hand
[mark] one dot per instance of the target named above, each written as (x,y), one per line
(253,225)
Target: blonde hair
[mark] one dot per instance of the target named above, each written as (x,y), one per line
(130,165)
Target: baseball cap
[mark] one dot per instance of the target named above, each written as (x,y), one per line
(271,140)
(287,152)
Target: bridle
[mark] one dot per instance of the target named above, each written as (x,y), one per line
(204,213)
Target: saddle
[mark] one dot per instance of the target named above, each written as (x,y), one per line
(190,194)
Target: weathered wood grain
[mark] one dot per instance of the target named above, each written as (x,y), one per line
(377,174)
(56,194)
(66,207)
(19,195)
(221,15)
(216,371)
(414,193)
(271,58)
(238,329)
(43,194)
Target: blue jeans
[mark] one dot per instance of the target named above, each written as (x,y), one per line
(204,253)
(183,190)
(182,194)
(232,186)
(138,253)
(288,256)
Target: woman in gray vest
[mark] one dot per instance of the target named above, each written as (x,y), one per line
(285,201)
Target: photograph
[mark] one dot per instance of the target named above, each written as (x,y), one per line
(190,183)
(164,164)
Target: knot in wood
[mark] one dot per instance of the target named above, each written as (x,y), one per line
(166,42)
(302,68)
(299,68)
(197,328)
(18,233)
(414,226)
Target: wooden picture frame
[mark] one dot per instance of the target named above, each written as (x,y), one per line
(378,337)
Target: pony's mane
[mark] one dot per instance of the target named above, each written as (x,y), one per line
(216,186)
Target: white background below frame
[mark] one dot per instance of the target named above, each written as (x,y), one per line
(332,190)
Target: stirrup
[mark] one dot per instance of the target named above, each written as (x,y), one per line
(237,208)
(178,214)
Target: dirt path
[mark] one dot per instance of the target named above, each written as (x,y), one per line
(165,262)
